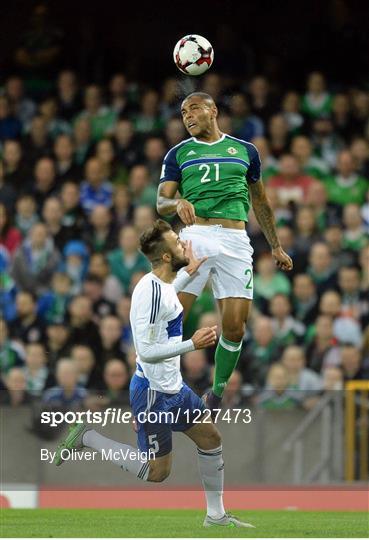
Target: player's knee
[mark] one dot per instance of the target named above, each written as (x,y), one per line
(159,474)
(234,331)
(215,439)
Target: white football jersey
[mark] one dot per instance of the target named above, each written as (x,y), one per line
(156,320)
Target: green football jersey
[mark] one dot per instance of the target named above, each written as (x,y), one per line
(214,177)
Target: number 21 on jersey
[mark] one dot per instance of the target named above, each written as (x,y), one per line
(209,173)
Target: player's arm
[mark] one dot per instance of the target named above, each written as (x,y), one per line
(184,277)
(265,218)
(167,204)
(145,313)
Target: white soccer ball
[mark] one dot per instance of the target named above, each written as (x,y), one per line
(193,55)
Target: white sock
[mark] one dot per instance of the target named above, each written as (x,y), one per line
(211,468)
(98,442)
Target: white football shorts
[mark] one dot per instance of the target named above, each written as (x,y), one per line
(229,263)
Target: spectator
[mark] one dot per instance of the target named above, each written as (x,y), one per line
(300,378)
(244,125)
(100,235)
(292,185)
(321,269)
(306,231)
(322,350)
(35,261)
(127,259)
(359,149)
(73,216)
(37,143)
(57,342)
(8,288)
(8,194)
(84,359)
(118,89)
(10,237)
(10,126)
(95,189)
(342,120)
(292,113)
(65,167)
(37,374)
(55,126)
(261,98)
(154,152)
(75,264)
(23,107)
(25,215)
(15,172)
(302,150)
(278,135)
(325,214)
(102,119)
(15,393)
(93,289)
(122,206)
(355,237)
(332,379)
(45,181)
(262,351)
(305,299)
(326,143)
(148,120)
(67,394)
(277,395)
(268,281)
(316,101)
(82,141)
(169,100)
(110,332)
(364,267)
(27,327)
(196,371)
(143,218)
(53,305)
(287,330)
(174,132)
(111,168)
(11,353)
(354,303)
(116,381)
(83,330)
(69,102)
(52,214)
(345,329)
(333,238)
(128,149)
(141,190)
(99,267)
(351,364)
(346,186)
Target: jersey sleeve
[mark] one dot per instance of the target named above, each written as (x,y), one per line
(254,171)
(146,318)
(170,170)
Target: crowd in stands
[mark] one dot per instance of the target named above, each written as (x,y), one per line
(79,172)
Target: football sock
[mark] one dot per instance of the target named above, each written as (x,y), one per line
(211,467)
(226,358)
(120,453)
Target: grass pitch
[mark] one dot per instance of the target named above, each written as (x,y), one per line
(65,523)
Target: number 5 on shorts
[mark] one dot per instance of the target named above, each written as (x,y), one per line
(154,443)
(248,274)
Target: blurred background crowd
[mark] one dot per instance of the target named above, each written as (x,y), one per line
(79,170)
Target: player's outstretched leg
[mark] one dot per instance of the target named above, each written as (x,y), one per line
(211,468)
(123,455)
(234,316)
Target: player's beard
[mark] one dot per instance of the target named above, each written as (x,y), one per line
(178,262)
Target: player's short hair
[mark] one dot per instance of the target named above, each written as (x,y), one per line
(202,95)
(152,243)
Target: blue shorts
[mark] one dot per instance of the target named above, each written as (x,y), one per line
(157,414)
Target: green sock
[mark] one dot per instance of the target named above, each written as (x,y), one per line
(226,358)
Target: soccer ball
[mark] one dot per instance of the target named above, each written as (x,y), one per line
(193,55)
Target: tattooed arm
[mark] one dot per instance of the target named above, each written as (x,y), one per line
(265,218)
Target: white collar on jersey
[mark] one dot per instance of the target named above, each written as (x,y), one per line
(210,143)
